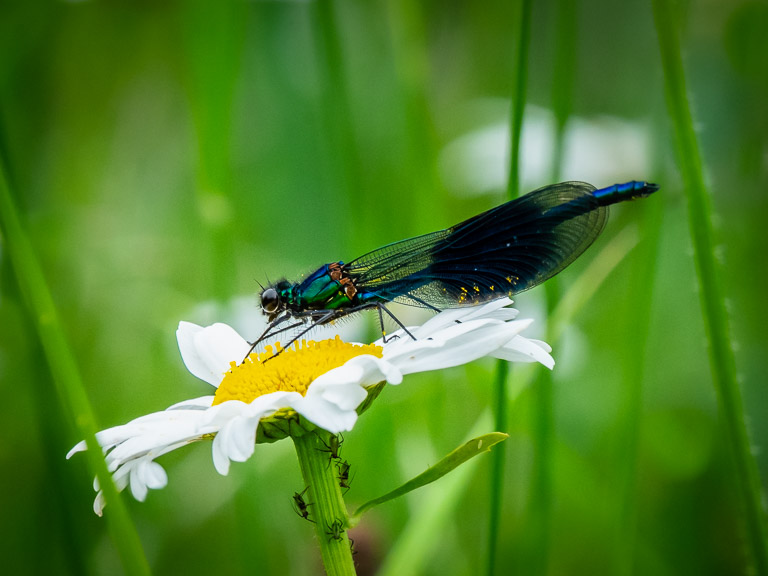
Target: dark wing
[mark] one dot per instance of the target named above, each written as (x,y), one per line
(501,252)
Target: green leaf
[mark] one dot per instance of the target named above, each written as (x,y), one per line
(465,452)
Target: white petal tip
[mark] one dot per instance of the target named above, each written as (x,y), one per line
(79,447)
(98,505)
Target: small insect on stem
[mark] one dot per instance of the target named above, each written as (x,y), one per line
(335,530)
(343,469)
(300,506)
(333,446)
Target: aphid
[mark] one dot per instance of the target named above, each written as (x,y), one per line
(335,530)
(343,468)
(300,506)
(333,446)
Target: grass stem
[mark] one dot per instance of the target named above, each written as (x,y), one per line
(522,34)
(66,375)
(712,302)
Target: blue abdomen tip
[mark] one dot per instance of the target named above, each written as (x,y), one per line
(625,191)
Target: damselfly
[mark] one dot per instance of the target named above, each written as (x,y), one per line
(501,252)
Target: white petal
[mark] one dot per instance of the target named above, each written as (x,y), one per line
(235,441)
(79,447)
(237,423)
(220,459)
(202,403)
(154,475)
(138,488)
(207,352)
(440,321)
(521,349)
(239,438)
(244,438)
(541,344)
(497,309)
(145,474)
(99,503)
(135,445)
(332,398)
(185,336)
(328,416)
(345,385)
(455,345)
(217,416)
(153,432)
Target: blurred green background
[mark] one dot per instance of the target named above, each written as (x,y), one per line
(168,156)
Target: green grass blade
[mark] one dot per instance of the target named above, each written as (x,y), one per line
(522,34)
(498,461)
(339,117)
(66,375)
(713,305)
(214,33)
(538,515)
(564,72)
(589,282)
(629,429)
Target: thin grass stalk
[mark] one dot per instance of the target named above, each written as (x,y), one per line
(538,520)
(214,34)
(66,375)
(498,462)
(422,183)
(337,108)
(564,76)
(712,302)
(522,33)
(539,514)
(638,328)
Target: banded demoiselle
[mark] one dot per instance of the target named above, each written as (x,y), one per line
(501,252)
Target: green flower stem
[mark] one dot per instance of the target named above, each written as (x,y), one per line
(326,504)
(66,375)
(712,302)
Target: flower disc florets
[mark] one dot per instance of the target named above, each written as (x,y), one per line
(291,370)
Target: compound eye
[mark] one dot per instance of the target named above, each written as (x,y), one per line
(269,300)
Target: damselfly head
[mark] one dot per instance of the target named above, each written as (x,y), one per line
(275,299)
(270,301)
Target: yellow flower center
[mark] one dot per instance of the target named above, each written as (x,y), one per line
(292,370)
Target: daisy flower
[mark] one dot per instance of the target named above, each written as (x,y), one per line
(324,384)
